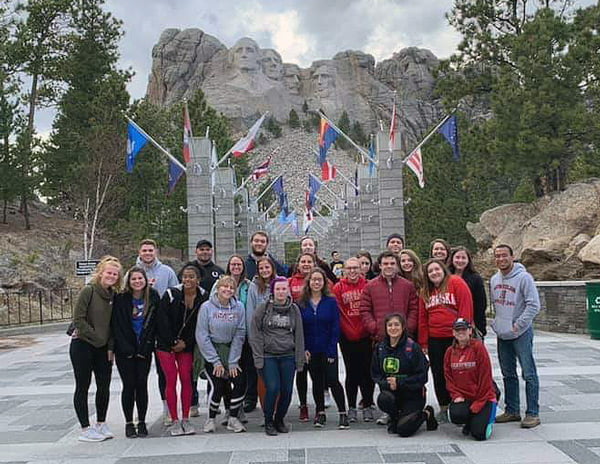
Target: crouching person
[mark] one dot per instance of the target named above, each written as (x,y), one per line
(468,373)
(399,367)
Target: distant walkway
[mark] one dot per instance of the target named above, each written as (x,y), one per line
(38,425)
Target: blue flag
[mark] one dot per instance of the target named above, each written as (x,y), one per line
(135,142)
(287,219)
(278,186)
(175,173)
(372,155)
(281,195)
(314,185)
(327,135)
(450,131)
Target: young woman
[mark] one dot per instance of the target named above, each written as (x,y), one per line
(90,351)
(411,268)
(444,298)
(134,325)
(176,326)
(355,341)
(468,372)
(220,333)
(304,264)
(321,321)
(461,264)
(440,249)
(399,367)
(277,341)
(308,245)
(366,264)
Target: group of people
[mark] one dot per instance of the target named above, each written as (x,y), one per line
(249,330)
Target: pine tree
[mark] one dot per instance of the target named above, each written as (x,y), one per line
(294,120)
(344,125)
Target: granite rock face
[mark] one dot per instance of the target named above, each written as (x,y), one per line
(246,80)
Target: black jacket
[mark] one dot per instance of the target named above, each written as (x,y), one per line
(406,362)
(175,322)
(209,273)
(125,340)
(475,283)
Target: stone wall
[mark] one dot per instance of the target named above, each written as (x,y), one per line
(563,307)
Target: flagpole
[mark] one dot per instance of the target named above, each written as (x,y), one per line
(267,189)
(360,149)
(328,189)
(190,142)
(228,154)
(269,208)
(156,144)
(428,136)
(247,179)
(342,175)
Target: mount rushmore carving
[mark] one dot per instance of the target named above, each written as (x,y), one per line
(246,80)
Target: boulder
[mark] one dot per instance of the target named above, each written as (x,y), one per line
(590,253)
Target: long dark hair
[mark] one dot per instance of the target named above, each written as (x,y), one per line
(146,291)
(470,269)
(444,243)
(429,288)
(262,283)
(306,291)
(241,258)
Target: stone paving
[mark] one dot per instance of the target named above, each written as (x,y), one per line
(38,425)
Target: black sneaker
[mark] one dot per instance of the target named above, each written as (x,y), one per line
(466,430)
(343,423)
(249,405)
(142,430)
(431,421)
(130,431)
(281,427)
(392,427)
(270,429)
(320,420)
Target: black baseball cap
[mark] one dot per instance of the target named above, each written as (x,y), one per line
(204,242)
(461,323)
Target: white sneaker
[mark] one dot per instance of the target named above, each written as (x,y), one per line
(194,411)
(103,429)
(176,429)
(225,419)
(242,416)
(91,435)
(235,425)
(167,419)
(383,419)
(209,426)
(188,428)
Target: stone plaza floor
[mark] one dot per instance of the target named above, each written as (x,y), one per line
(38,424)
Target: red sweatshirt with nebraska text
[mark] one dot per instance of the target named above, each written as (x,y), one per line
(348,297)
(438,313)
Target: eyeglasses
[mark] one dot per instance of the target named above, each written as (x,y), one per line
(352,268)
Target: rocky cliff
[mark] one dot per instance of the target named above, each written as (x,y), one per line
(556,237)
(246,80)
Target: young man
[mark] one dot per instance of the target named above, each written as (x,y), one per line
(204,261)
(395,243)
(336,265)
(259,242)
(516,302)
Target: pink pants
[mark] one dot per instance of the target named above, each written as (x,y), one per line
(174,364)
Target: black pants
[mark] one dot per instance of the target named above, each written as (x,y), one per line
(480,424)
(162,381)
(247,365)
(405,409)
(437,350)
(357,359)
(217,386)
(134,376)
(325,374)
(86,359)
(302,385)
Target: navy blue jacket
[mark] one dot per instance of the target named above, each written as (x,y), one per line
(280,269)
(321,327)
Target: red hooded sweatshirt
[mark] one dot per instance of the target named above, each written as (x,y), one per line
(468,373)
(348,297)
(296,286)
(437,315)
(380,299)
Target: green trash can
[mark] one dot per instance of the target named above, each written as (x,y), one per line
(593,306)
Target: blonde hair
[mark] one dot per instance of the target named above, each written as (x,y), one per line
(416,275)
(226,279)
(104,262)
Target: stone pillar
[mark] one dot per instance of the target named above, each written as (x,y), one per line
(353,224)
(391,194)
(242,219)
(224,215)
(369,211)
(200,218)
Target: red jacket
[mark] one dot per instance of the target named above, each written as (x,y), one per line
(468,373)
(442,309)
(296,286)
(348,297)
(380,299)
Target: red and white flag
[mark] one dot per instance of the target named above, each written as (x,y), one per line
(247,143)
(261,170)
(415,163)
(393,127)
(328,171)
(187,135)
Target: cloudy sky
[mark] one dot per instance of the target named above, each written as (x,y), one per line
(301,30)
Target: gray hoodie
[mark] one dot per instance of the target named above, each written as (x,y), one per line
(255,299)
(219,324)
(516,301)
(159,275)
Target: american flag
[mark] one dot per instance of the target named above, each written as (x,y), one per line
(415,164)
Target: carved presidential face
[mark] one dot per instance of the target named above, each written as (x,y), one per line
(244,55)
(291,78)
(271,64)
(324,81)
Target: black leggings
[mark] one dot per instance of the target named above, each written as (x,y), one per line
(217,387)
(134,376)
(357,359)
(86,359)
(405,409)
(302,385)
(437,350)
(162,381)
(480,424)
(322,374)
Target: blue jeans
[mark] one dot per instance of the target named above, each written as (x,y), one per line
(278,375)
(509,351)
